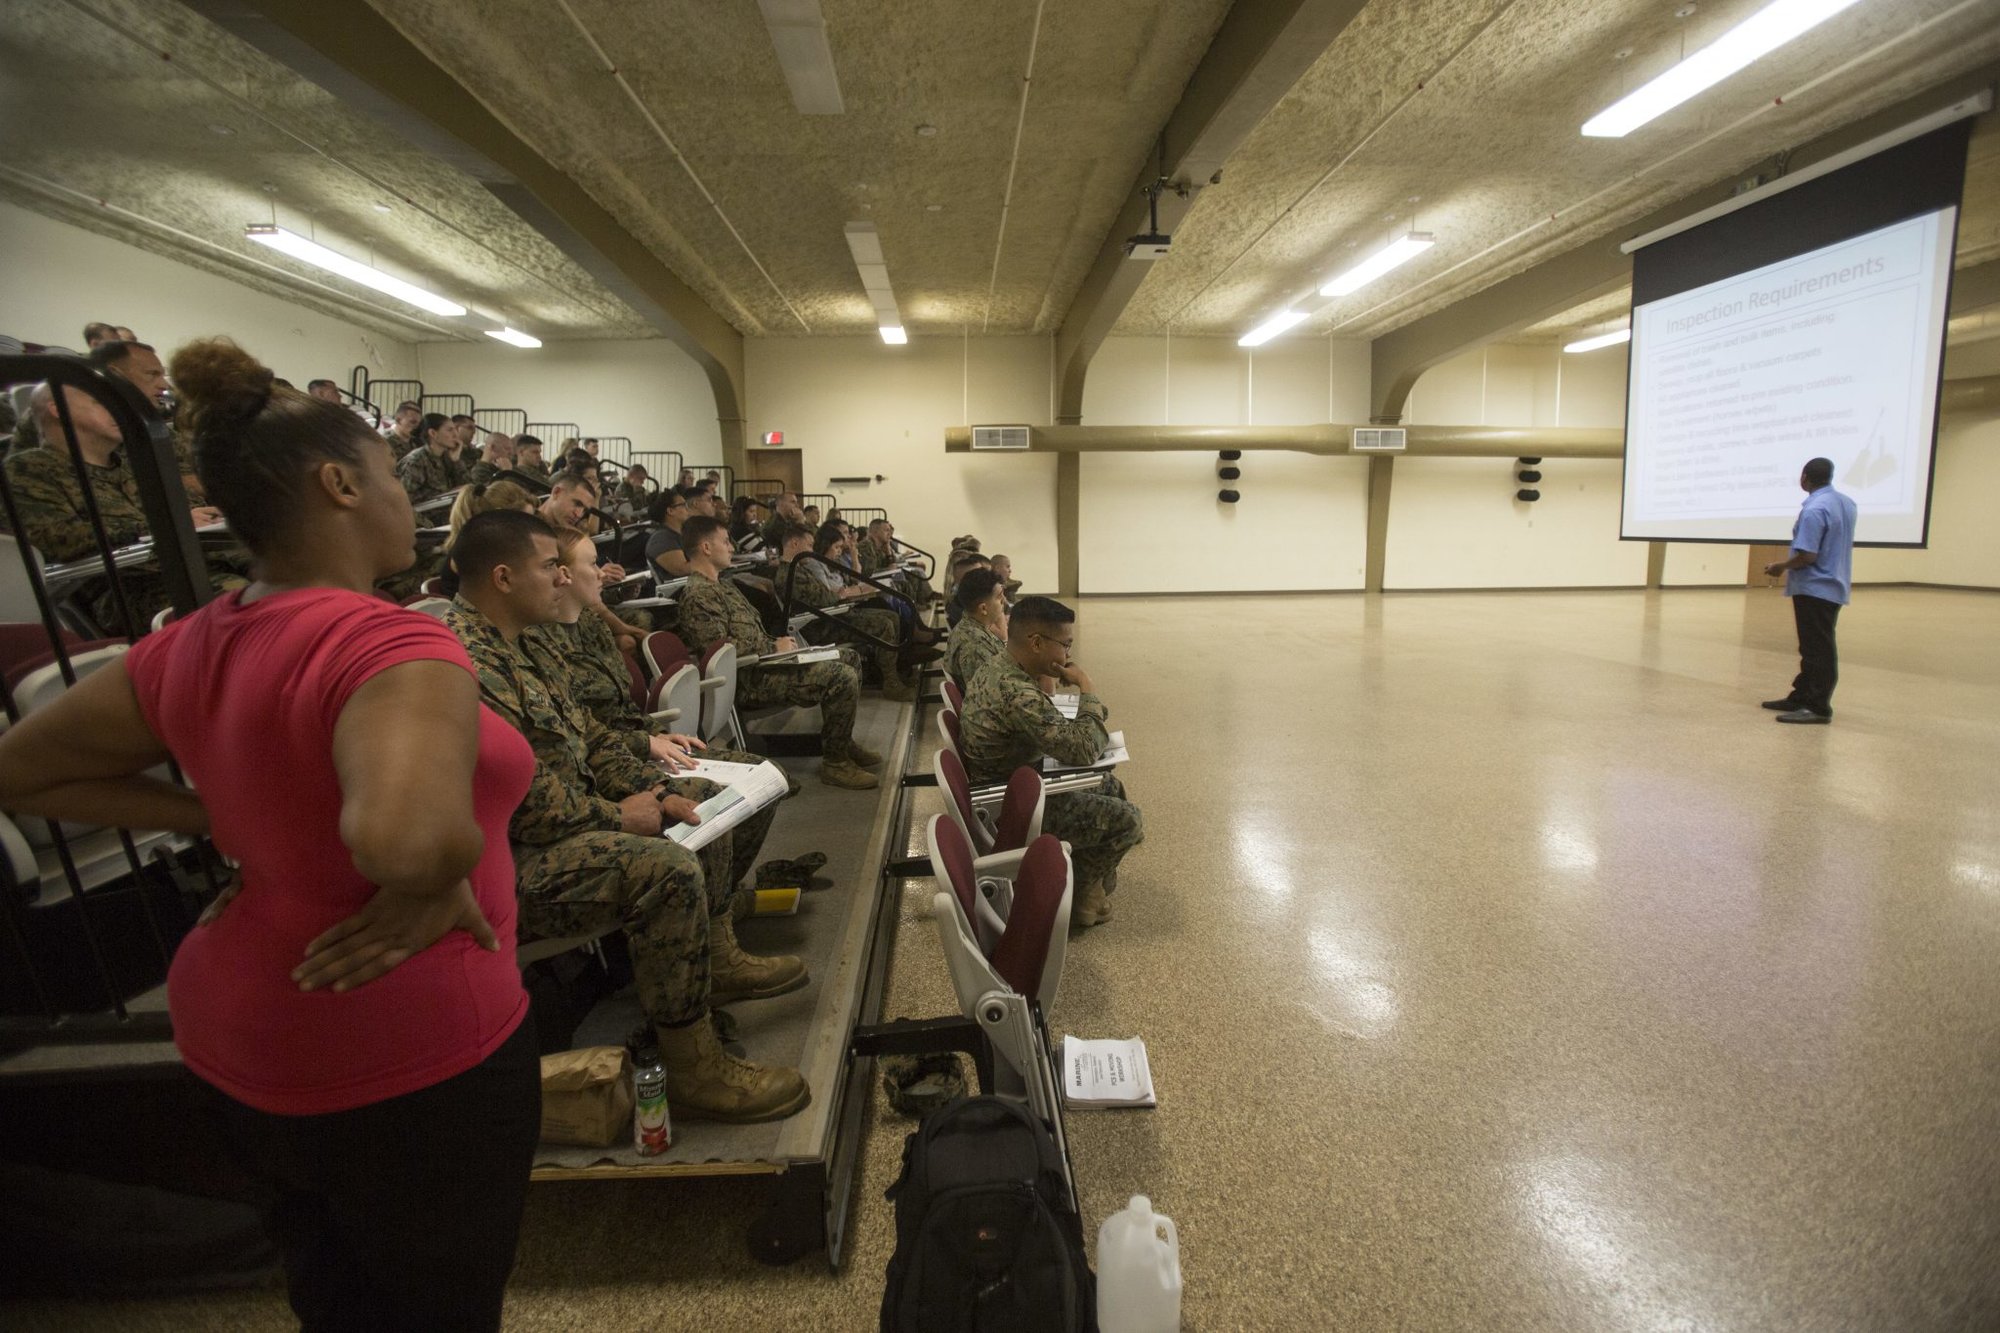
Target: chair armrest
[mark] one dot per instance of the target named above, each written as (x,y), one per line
(666,715)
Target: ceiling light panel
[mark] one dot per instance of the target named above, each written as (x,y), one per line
(514,336)
(1394,255)
(1272,327)
(312,252)
(1757,36)
(864,242)
(798,35)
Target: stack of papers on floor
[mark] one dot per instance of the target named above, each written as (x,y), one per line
(746,789)
(1114,754)
(1102,1075)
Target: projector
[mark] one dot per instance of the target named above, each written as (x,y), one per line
(1152,245)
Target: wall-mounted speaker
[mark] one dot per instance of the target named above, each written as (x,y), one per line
(1528,496)
(1229,473)
(1231,455)
(1227,497)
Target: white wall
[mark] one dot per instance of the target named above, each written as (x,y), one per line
(57,277)
(1454,522)
(1151,522)
(647,389)
(855,406)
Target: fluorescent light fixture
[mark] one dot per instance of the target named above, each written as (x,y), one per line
(1272,327)
(1601,340)
(514,336)
(1394,255)
(1755,37)
(312,252)
(864,242)
(798,36)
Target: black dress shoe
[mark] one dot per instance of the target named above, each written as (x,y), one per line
(1781,705)
(1805,715)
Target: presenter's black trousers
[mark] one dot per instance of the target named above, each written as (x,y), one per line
(1819,664)
(400,1216)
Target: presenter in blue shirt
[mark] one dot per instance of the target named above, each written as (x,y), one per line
(1818,578)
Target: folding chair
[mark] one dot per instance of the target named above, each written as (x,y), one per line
(1018,821)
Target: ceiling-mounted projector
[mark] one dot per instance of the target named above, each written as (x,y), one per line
(1152,245)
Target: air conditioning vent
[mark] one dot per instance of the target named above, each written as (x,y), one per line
(1378,439)
(999,437)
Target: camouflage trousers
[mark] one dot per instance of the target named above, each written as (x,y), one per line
(833,687)
(872,620)
(1099,826)
(660,894)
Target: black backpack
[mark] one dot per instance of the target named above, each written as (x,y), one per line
(986,1239)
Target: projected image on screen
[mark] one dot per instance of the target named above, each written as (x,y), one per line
(1833,353)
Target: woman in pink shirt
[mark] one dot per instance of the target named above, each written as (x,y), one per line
(355,1007)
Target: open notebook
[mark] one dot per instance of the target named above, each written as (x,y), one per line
(746,789)
(1114,754)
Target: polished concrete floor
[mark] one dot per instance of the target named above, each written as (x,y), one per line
(1503,966)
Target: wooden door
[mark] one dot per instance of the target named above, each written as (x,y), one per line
(780,465)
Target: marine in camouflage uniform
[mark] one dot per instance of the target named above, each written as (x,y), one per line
(807,591)
(427,474)
(969,647)
(712,611)
(1008,722)
(56,523)
(576,871)
(536,469)
(482,473)
(907,581)
(584,657)
(632,495)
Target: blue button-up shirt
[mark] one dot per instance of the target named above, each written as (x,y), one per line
(1825,527)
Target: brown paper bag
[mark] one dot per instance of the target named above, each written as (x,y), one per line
(587,1097)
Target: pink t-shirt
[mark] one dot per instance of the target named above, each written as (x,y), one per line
(246,697)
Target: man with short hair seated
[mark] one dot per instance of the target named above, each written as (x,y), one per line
(633,494)
(981,632)
(785,509)
(571,495)
(139,366)
(1009,720)
(587,846)
(55,521)
(401,432)
(528,458)
(495,458)
(817,587)
(711,611)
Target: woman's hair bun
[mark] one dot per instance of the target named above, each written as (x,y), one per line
(216,379)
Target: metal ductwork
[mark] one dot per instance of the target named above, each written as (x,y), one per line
(1976,397)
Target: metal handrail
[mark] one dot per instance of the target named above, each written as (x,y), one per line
(503,420)
(821,613)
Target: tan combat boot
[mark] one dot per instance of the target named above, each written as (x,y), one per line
(1089,905)
(896,688)
(862,755)
(705,1082)
(736,975)
(838,769)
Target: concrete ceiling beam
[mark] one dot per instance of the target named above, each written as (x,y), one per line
(1597,267)
(357,55)
(1261,50)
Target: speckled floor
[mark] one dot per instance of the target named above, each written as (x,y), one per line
(1503,966)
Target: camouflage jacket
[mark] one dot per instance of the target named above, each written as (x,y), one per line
(482,473)
(634,496)
(53,518)
(539,470)
(873,558)
(399,446)
(808,587)
(586,658)
(712,611)
(770,530)
(582,769)
(968,648)
(427,475)
(1009,722)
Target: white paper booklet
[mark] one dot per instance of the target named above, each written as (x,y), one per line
(747,788)
(1067,704)
(1101,1075)
(1114,754)
(800,657)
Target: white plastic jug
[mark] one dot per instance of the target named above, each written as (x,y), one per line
(1138,1271)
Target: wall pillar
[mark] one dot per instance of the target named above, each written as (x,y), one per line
(1069,521)
(1656,563)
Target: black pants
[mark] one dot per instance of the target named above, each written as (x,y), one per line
(1819,663)
(402,1214)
